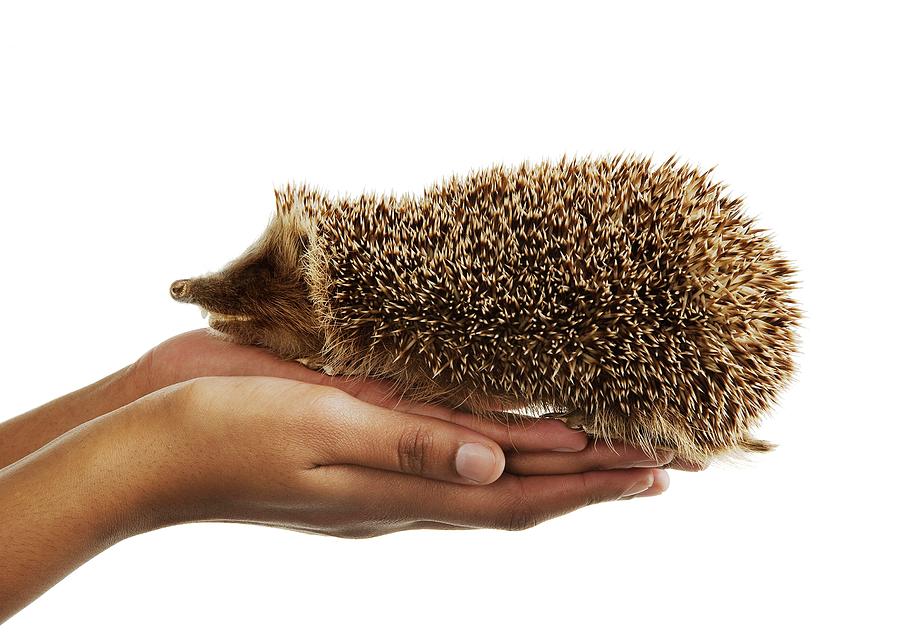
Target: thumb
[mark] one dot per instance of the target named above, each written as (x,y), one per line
(368,435)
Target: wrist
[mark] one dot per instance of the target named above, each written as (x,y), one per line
(171,461)
(121,466)
(142,444)
(129,465)
(31,430)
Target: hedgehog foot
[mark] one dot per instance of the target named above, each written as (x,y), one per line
(574,418)
(314,363)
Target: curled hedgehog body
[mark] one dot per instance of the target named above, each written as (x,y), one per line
(641,303)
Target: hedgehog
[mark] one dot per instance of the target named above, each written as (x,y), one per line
(640,304)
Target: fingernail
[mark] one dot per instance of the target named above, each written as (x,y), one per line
(476,463)
(659,485)
(639,486)
(661,480)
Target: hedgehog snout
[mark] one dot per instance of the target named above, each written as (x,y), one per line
(179,290)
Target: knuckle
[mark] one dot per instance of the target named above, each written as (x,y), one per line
(414,449)
(326,403)
(324,420)
(185,408)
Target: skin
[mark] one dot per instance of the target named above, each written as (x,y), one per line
(201,429)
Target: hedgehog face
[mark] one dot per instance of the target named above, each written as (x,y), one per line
(261,297)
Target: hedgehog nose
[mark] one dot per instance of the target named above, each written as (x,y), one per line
(179,289)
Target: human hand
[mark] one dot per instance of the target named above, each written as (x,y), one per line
(316,459)
(116,461)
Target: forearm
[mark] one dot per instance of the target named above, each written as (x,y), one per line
(68,501)
(28,432)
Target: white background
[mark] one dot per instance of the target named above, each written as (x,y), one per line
(139,145)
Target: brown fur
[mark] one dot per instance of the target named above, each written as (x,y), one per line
(641,300)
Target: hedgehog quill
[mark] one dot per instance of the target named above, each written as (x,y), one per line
(641,303)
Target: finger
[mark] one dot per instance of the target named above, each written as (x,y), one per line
(367,435)
(510,503)
(597,456)
(515,432)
